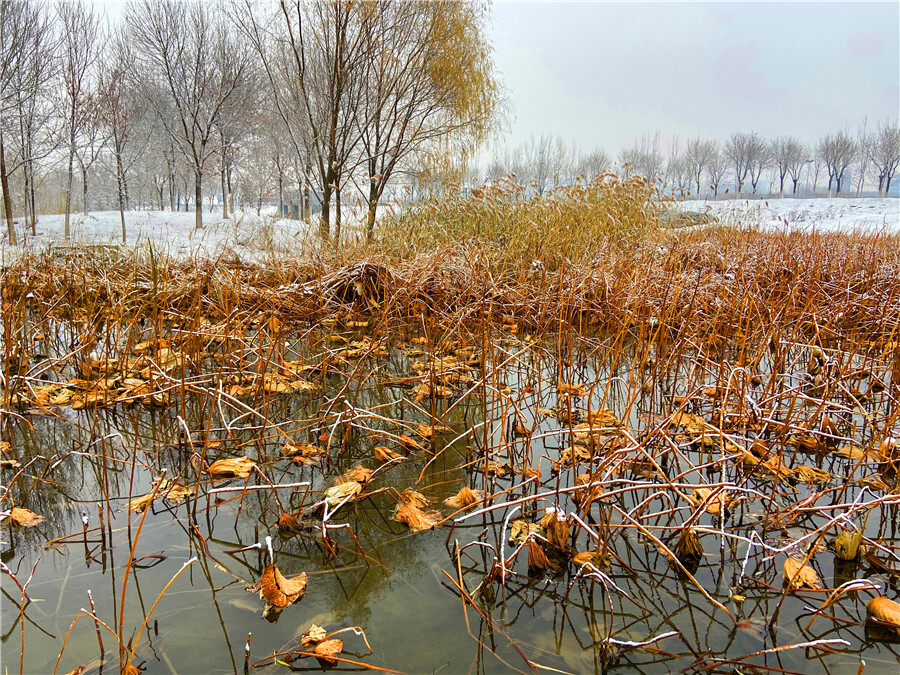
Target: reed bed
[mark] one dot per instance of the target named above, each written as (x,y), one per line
(585,401)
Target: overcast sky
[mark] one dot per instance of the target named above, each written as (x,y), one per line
(604,73)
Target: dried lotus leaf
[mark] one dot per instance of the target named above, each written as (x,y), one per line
(846,544)
(798,575)
(465,497)
(383,454)
(24,518)
(884,611)
(338,493)
(239,467)
(328,649)
(313,636)
(417,519)
(280,591)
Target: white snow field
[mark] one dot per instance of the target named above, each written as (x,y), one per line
(251,238)
(248,237)
(820,214)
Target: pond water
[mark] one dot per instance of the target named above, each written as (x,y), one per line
(400,588)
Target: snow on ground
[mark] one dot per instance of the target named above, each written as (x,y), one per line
(821,214)
(248,236)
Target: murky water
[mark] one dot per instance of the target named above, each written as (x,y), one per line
(402,588)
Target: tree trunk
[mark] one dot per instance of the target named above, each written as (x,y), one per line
(373,208)
(7,199)
(84,203)
(280,194)
(325,219)
(337,216)
(198,200)
(224,187)
(31,190)
(69,174)
(119,181)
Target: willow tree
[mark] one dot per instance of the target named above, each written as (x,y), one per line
(430,87)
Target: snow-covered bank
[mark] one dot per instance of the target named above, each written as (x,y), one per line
(836,214)
(172,233)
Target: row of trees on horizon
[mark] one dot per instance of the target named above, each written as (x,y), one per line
(705,166)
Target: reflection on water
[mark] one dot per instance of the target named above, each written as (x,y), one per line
(403,589)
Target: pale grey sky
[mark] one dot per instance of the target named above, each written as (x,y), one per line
(605,73)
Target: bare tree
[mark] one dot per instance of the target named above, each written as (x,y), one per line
(837,151)
(593,164)
(194,70)
(716,167)
(79,26)
(739,149)
(643,158)
(788,156)
(885,154)
(698,153)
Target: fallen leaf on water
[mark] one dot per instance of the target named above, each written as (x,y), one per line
(556,526)
(383,454)
(338,493)
(359,473)
(280,591)
(417,519)
(802,575)
(428,431)
(810,474)
(140,503)
(688,548)
(595,558)
(573,390)
(313,636)
(465,497)
(299,449)
(24,518)
(239,467)
(499,469)
(715,506)
(410,443)
(327,649)
(885,611)
(521,529)
(856,453)
(414,498)
(537,559)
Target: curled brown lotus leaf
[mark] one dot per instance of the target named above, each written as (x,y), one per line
(383,454)
(465,497)
(520,529)
(414,498)
(239,467)
(410,443)
(688,546)
(884,611)
(596,558)
(139,504)
(328,649)
(313,636)
(417,519)
(537,559)
(714,506)
(846,544)
(342,491)
(557,528)
(573,390)
(288,525)
(810,474)
(359,474)
(429,431)
(798,575)
(280,591)
(24,518)
(300,450)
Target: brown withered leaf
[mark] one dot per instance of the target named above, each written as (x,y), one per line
(520,529)
(556,526)
(846,544)
(715,506)
(280,591)
(414,498)
(328,649)
(688,547)
(465,497)
(499,469)
(410,443)
(429,431)
(417,519)
(239,467)
(810,474)
(573,390)
(313,636)
(537,559)
(595,558)
(802,575)
(884,611)
(300,449)
(359,473)
(383,454)
(139,504)
(20,517)
(342,491)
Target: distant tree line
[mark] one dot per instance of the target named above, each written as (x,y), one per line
(704,166)
(332,101)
